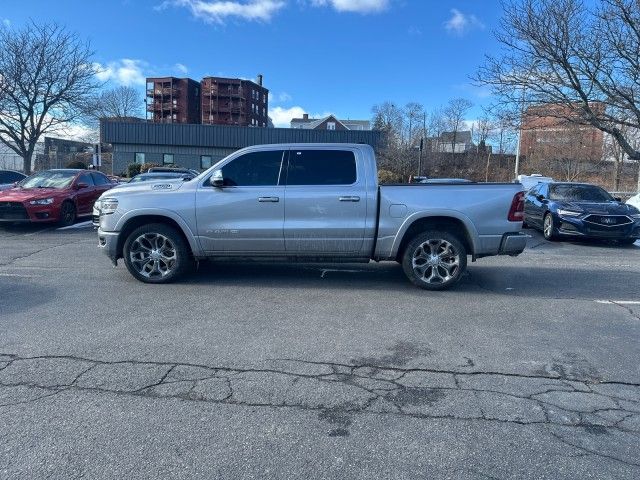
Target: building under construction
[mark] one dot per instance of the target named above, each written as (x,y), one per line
(173,100)
(232,101)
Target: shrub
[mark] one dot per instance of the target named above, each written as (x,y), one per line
(76,164)
(146,166)
(133,169)
(387,176)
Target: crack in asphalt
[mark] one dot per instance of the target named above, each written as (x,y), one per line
(337,390)
(12,260)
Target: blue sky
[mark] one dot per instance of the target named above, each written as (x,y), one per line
(317,56)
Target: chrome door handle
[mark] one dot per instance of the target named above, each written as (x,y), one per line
(349,199)
(269,199)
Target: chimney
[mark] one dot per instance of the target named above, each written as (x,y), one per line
(260,79)
(305,116)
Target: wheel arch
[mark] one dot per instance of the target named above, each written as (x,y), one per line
(133,222)
(445,223)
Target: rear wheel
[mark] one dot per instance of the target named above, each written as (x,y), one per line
(156,253)
(434,260)
(548,228)
(67,213)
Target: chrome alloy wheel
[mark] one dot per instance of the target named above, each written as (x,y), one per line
(548,226)
(152,255)
(436,261)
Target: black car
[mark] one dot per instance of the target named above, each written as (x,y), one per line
(580,209)
(9,177)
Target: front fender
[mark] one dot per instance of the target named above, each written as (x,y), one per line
(158,212)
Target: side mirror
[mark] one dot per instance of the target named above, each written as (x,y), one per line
(540,197)
(80,186)
(217,179)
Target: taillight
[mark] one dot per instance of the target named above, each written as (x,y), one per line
(516,211)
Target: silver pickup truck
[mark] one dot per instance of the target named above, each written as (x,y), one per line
(308,203)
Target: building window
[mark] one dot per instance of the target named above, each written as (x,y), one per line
(139,158)
(205,161)
(167,159)
(331,125)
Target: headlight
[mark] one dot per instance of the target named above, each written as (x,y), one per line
(42,201)
(568,213)
(107,205)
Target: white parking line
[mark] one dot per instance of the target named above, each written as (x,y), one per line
(88,223)
(619,302)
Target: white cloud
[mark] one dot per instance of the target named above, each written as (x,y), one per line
(281,117)
(284,97)
(123,72)
(414,31)
(6,22)
(181,68)
(357,6)
(460,22)
(217,11)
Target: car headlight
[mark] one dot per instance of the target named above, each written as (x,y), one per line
(42,201)
(107,205)
(568,213)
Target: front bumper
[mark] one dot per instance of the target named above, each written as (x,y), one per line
(579,227)
(108,243)
(23,212)
(513,243)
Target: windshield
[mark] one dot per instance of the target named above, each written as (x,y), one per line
(579,193)
(49,179)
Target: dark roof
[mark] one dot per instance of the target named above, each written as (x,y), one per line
(222,136)
(462,136)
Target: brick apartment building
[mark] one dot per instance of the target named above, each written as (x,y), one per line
(212,101)
(547,134)
(173,100)
(233,101)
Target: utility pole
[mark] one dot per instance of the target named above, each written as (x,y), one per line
(420,157)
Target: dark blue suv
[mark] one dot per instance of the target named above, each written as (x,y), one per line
(580,209)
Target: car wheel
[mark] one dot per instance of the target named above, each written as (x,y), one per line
(156,253)
(67,213)
(434,260)
(627,241)
(548,228)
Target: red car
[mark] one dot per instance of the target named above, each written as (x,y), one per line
(59,195)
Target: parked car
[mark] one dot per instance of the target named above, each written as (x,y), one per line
(309,202)
(530,181)
(580,209)
(190,171)
(147,177)
(634,201)
(59,195)
(9,177)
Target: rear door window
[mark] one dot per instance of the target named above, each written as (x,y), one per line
(86,178)
(321,167)
(100,179)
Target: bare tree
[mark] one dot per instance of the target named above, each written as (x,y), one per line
(46,77)
(454,115)
(414,115)
(117,103)
(573,54)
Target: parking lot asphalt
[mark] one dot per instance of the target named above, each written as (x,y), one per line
(527,369)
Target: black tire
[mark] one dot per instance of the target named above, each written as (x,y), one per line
(67,213)
(627,241)
(427,270)
(156,253)
(548,234)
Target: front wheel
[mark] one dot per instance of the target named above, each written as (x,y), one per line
(627,241)
(156,253)
(434,260)
(67,213)
(548,229)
